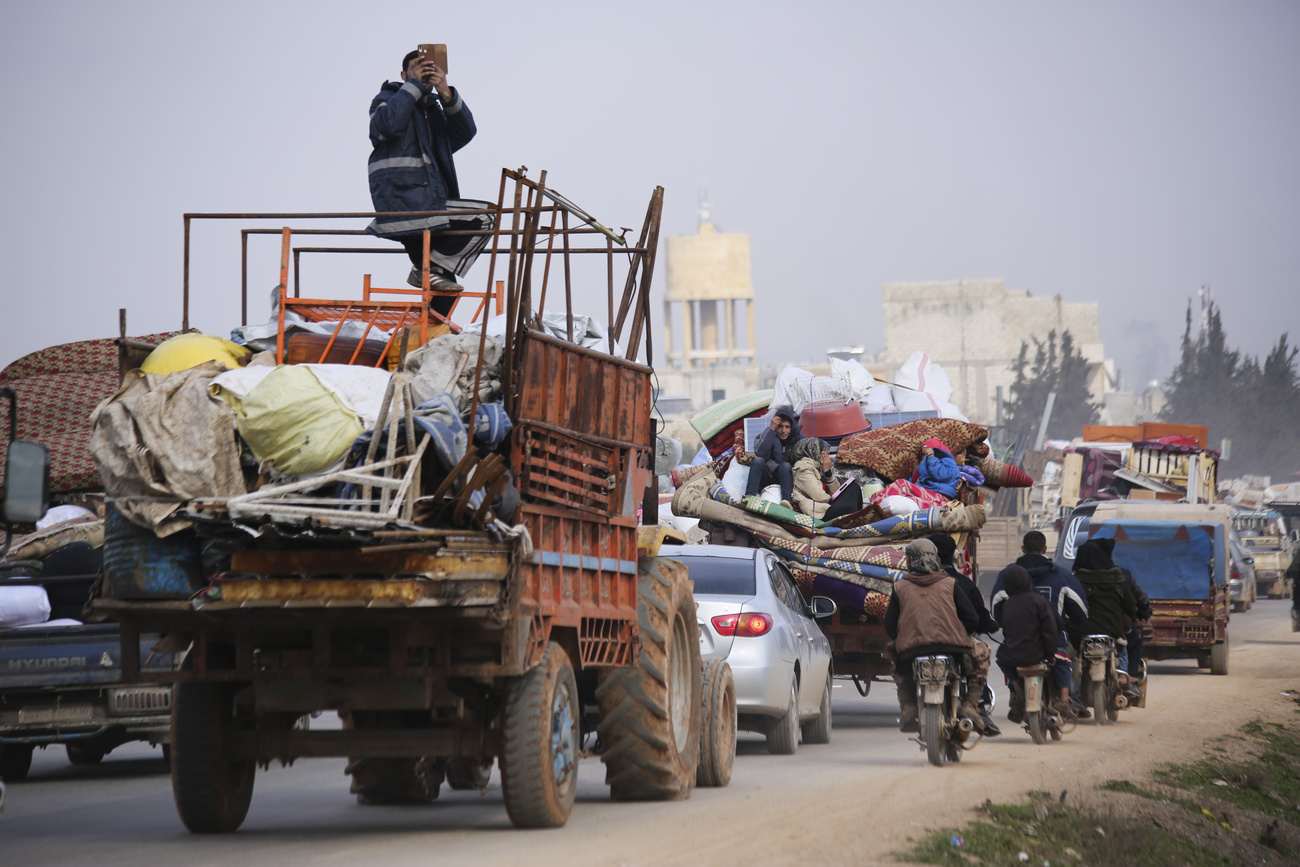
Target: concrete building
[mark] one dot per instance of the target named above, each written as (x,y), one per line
(974,328)
(709,285)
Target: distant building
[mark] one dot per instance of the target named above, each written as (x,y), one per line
(709,286)
(974,328)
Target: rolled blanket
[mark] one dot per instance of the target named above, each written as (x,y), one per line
(1000,475)
(923,497)
(893,451)
(961,518)
(876,577)
(915,524)
(846,594)
(692,500)
(759,506)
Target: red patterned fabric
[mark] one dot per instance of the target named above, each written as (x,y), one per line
(893,451)
(57,389)
(924,498)
(1000,475)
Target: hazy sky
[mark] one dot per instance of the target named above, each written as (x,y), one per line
(1124,153)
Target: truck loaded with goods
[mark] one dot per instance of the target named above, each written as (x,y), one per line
(439,539)
(854,559)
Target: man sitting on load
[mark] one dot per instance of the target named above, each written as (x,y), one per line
(772,461)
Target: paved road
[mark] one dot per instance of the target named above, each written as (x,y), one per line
(121,812)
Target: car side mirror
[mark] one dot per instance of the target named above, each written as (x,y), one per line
(822,607)
(1295,536)
(27,482)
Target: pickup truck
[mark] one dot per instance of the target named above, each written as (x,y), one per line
(63,685)
(1178,554)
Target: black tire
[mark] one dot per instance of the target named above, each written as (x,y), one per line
(1219,657)
(167,754)
(212,790)
(539,765)
(717,726)
(390,780)
(932,734)
(15,762)
(84,754)
(1097,694)
(468,775)
(650,713)
(783,732)
(1037,726)
(818,731)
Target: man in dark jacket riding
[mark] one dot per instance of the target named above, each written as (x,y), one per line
(1029,632)
(1067,599)
(415,127)
(928,613)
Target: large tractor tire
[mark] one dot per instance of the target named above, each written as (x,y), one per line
(539,766)
(212,789)
(818,731)
(650,713)
(390,780)
(717,726)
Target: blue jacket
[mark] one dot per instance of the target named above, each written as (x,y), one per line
(411,168)
(938,473)
(768,446)
(1063,592)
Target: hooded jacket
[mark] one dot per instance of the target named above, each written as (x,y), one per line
(928,613)
(769,447)
(1063,592)
(1139,595)
(939,471)
(1109,598)
(411,167)
(1029,631)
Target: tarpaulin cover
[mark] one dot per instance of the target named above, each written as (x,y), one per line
(1168,559)
(163,439)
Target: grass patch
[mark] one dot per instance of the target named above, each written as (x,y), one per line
(1265,780)
(1062,835)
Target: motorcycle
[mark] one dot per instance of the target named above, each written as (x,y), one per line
(940,690)
(1102,686)
(1040,720)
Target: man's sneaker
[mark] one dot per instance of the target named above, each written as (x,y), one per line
(990,728)
(436,281)
(909,720)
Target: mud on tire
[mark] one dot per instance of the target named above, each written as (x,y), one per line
(650,713)
(386,780)
(717,725)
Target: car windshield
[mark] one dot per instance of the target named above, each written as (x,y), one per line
(722,576)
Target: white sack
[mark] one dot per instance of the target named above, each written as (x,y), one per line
(851,371)
(359,388)
(919,373)
(21,606)
(879,399)
(59,514)
(786,390)
(898,505)
(735,479)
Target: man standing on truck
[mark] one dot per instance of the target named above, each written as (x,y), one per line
(415,127)
(928,613)
(1067,599)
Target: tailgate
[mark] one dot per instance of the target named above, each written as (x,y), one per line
(69,656)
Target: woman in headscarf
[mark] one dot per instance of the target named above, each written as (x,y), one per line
(1109,598)
(928,613)
(818,491)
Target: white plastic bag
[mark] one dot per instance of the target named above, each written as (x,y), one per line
(22,606)
(735,479)
(851,371)
(786,391)
(898,505)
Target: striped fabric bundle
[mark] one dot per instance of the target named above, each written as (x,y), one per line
(849,596)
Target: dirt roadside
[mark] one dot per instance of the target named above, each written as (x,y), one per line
(871,801)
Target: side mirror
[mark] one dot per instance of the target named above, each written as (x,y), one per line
(1295,536)
(27,482)
(1250,561)
(822,607)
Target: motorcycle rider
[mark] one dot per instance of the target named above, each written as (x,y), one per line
(929,614)
(1029,629)
(1293,574)
(1132,654)
(1067,599)
(1109,599)
(947,547)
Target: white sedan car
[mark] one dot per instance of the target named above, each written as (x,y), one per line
(752,614)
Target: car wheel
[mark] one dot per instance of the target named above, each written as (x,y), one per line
(783,736)
(818,731)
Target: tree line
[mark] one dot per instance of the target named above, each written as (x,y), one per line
(1253,403)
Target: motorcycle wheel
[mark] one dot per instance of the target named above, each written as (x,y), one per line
(932,734)
(1099,714)
(1037,726)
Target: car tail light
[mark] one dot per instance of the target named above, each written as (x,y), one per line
(746,625)
(1236,574)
